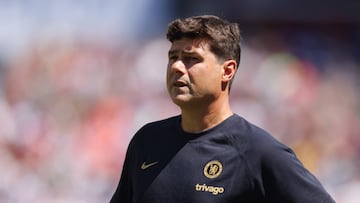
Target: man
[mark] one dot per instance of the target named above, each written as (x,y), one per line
(208,153)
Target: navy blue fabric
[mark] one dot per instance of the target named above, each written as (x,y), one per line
(255,167)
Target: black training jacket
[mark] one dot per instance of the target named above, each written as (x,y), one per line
(234,162)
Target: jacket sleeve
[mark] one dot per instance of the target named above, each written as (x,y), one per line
(285,179)
(123,192)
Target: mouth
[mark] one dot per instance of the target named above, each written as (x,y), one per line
(179,84)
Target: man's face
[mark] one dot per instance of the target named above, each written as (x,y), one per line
(193,73)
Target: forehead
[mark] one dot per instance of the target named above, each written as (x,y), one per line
(189,45)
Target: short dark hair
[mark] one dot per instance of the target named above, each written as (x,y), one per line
(223,37)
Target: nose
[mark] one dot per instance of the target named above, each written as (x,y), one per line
(178,66)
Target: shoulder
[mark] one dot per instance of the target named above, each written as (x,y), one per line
(245,132)
(275,169)
(156,129)
(161,124)
(257,145)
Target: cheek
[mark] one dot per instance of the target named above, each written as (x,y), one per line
(168,71)
(168,75)
(212,78)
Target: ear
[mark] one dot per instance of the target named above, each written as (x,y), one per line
(229,70)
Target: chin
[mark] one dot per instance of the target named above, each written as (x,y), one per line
(180,101)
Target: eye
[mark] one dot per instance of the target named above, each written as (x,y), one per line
(193,59)
(172,57)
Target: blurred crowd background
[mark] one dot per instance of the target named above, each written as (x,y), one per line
(78,78)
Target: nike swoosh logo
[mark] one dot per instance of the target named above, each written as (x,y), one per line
(146,166)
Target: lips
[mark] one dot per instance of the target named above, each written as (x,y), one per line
(179,84)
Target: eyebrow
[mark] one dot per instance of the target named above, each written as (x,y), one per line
(172,52)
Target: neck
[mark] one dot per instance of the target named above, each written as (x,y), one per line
(197,119)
